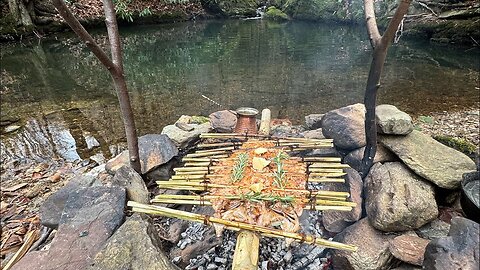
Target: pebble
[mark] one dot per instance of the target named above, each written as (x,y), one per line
(220,260)
(211,266)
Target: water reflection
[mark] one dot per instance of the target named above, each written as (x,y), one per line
(294,69)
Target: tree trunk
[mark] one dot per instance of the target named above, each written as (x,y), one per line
(24,15)
(380,46)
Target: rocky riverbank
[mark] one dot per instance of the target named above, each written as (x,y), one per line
(408,207)
(439,21)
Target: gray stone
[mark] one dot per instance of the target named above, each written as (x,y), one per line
(313,134)
(133,183)
(51,210)
(459,250)
(314,121)
(373,248)
(346,126)
(434,230)
(11,128)
(183,138)
(430,159)
(409,248)
(135,245)
(354,158)
(397,199)
(406,266)
(336,221)
(154,150)
(223,121)
(390,120)
(89,218)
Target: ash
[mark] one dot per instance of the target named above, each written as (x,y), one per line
(274,254)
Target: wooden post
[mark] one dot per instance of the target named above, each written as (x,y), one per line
(265,122)
(248,242)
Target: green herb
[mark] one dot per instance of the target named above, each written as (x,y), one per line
(279,175)
(239,167)
(258,197)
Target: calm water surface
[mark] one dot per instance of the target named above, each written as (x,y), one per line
(64,97)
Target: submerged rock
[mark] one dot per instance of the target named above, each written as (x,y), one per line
(459,250)
(373,248)
(135,245)
(390,120)
(346,126)
(397,199)
(430,159)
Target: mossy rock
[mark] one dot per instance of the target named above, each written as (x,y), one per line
(231,8)
(276,14)
(459,144)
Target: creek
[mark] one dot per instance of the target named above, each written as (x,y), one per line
(67,106)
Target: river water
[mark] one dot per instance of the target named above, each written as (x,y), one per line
(66,104)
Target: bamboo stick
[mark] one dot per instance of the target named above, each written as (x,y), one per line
(324,159)
(30,238)
(187,159)
(326,170)
(202,186)
(328,165)
(229,148)
(204,201)
(327,174)
(208,145)
(221,153)
(326,180)
(235,225)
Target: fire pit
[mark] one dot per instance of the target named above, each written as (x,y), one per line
(255,184)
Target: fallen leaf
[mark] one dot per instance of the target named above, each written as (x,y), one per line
(259,163)
(56,177)
(19,186)
(257,188)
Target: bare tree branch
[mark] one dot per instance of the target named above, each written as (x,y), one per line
(114,66)
(83,34)
(380,46)
(372,28)
(395,21)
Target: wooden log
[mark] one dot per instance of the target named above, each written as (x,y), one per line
(246,251)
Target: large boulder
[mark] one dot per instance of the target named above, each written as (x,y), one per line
(313,134)
(183,138)
(354,158)
(153,149)
(459,250)
(223,121)
(136,246)
(373,248)
(434,230)
(430,159)
(89,218)
(346,126)
(336,221)
(390,120)
(397,199)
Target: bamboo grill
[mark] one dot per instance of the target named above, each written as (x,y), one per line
(204,172)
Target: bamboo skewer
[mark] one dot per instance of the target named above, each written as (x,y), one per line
(235,225)
(205,185)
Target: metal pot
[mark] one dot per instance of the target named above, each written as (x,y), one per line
(471,189)
(246,121)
